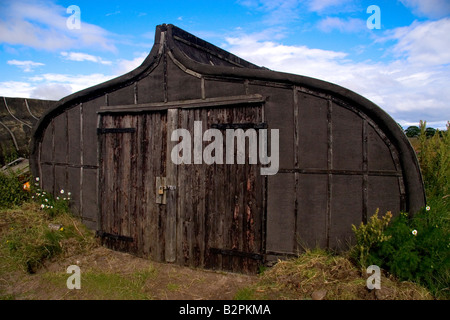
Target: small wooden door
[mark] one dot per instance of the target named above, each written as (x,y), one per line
(132,151)
(221,206)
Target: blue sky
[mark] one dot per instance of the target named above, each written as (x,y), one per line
(404,66)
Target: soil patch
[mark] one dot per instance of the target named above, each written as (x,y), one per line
(151,280)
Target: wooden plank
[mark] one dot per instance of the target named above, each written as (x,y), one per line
(122,96)
(346,208)
(216,88)
(171,207)
(90,191)
(280,118)
(312,210)
(379,154)
(107,188)
(296,127)
(159,169)
(74,135)
(136,220)
(181,85)
(193,103)
(145,204)
(100,171)
(151,87)
(89,128)
(280,213)
(185,194)
(311,125)
(46,152)
(384,194)
(347,139)
(73,186)
(329,168)
(116,130)
(47,179)
(151,169)
(61,138)
(60,181)
(381,173)
(365,168)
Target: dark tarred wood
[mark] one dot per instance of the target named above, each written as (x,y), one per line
(341,158)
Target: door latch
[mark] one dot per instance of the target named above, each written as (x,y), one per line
(161,190)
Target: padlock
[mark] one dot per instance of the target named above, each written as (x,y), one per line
(161,190)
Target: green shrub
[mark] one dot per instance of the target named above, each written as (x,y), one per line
(368,236)
(33,237)
(9,154)
(53,206)
(418,249)
(434,159)
(12,191)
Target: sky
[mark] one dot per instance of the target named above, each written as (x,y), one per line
(396,53)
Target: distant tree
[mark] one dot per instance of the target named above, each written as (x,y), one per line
(430,132)
(412,131)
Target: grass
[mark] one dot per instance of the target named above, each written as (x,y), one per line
(107,285)
(11,190)
(30,237)
(36,231)
(334,275)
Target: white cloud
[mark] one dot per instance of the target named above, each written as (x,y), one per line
(434,9)
(408,91)
(343,25)
(77,82)
(125,66)
(42,25)
(79,56)
(276,11)
(281,57)
(426,43)
(51,91)
(51,86)
(26,66)
(15,89)
(321,5)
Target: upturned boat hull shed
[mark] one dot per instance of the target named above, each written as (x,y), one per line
(153,166)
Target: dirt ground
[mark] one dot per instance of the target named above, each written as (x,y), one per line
(169,282)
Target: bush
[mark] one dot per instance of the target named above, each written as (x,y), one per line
(416,247)
(12,191)
(53,206)
(39,228)
(368,236)
(434,160)
(33,237)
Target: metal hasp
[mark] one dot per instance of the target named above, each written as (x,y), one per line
(161,190)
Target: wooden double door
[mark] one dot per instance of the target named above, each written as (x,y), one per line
(202,215)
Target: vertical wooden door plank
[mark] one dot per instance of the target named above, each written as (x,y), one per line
(171,180)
